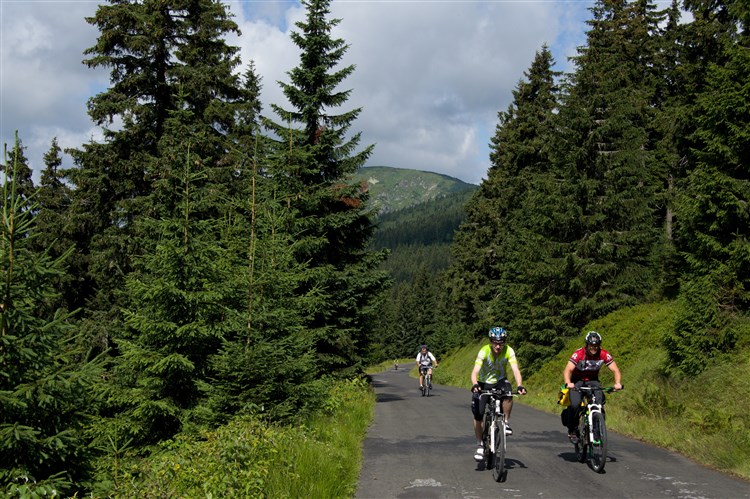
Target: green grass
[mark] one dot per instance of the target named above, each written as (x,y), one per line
(323,459)
(320,457)
(706,417)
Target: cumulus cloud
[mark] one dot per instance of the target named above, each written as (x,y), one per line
(430,76)
(44,85)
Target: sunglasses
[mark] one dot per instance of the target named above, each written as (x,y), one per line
(494,342)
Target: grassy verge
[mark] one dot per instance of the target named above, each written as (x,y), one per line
(324,458)
(706,418)
(321,457)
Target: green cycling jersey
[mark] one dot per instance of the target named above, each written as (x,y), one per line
(494,369)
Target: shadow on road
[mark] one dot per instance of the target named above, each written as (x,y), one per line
(510,464)
(388,397)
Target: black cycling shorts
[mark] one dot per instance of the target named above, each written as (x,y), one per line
(478,402)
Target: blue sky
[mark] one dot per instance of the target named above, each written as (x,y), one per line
(431,75)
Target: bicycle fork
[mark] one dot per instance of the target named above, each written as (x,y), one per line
(498,419)
(590,410)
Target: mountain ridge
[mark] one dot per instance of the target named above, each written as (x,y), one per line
(392,189)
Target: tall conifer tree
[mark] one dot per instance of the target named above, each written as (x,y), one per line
(314,164)
(497,254)
(45,378)
(713,215)
(613,173)
(156,51)
(55,232)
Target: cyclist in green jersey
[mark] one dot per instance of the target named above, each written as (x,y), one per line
(490,371)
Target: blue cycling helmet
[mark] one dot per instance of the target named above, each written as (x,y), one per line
(498,334)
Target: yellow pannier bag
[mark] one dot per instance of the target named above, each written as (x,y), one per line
(563,398)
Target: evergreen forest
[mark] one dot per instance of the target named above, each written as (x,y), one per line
(210,263)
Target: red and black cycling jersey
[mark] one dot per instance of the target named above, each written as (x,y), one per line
(587,366)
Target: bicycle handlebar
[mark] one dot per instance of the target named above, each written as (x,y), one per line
(608,389)
(498,392)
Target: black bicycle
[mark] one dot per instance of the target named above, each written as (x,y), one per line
(493,434)
(427,381)
(592,429)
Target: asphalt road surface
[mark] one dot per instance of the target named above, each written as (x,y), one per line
(422,447)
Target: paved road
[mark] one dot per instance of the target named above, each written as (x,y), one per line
(422,447)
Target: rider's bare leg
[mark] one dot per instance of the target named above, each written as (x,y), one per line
(478,430)
(507,407)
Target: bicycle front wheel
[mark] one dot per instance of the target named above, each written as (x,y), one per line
(487,439)
(581,447)
(498,472)
(599,445)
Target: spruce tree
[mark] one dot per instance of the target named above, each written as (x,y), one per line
(45,378)
(673,103)
(182,304)
(268,363)
(162,55)
(713,215)
(496,252)
(314,164)
(613,173)
(55,233)
(16,165)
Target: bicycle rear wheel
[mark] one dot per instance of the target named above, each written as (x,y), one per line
(498,472)
(599,445)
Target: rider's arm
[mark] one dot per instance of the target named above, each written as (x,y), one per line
(618,377)
(434,359)
(567,373)
(517,374)
(475,374)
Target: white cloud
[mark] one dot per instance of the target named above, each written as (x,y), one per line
(44,84)
(430,76)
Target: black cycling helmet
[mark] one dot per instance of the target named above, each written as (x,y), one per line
(423,346)
(593,338)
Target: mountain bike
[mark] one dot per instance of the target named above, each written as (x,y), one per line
(592,429)
(427,382)
(493,434)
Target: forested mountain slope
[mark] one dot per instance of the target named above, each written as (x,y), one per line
(393,189)
(419,235)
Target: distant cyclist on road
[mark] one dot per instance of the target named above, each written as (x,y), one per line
(582,369)
(425,360)
(490,371)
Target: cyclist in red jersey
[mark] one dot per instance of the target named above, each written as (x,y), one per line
(582,369)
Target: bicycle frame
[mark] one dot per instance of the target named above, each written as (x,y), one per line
(592,407)
(424,371)
(493,410)
(592,446)
(494,431)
